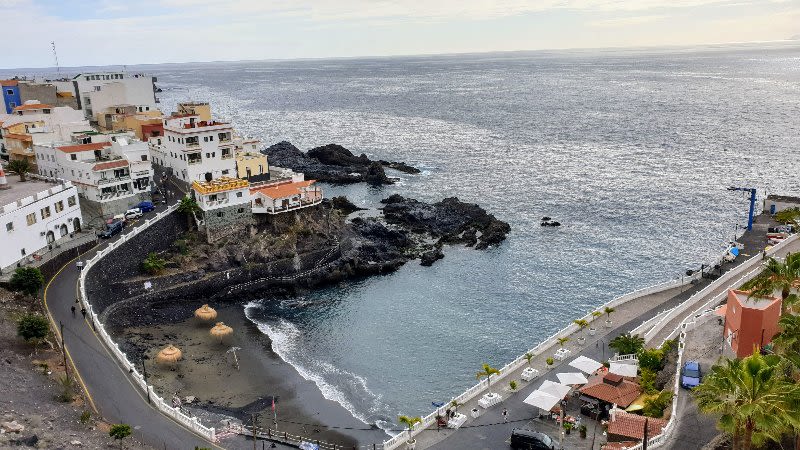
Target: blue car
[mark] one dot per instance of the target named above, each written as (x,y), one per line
(145,206)
(690,375)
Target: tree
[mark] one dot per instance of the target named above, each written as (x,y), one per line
(787,341)
(608,310)
(654,406)
(647,380)
(582,324)
(790,216)
(409,422)
(189,207)
(562,340)
(528,357)
(119,432)
(153,264)
(754,402)
(777,275)
(596,314)
(627,344)
(27,280)
(33,328)
(20,166)
(487,372)
(651,358)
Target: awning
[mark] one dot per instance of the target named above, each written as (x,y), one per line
(586,365)
(542,400)
(555,389)
(625,370)
(587,399)
(722,311)
(571,378)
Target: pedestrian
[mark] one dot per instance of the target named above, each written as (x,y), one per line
(83,311)
(73,311)
(505,415)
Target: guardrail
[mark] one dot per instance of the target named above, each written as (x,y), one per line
(189,422)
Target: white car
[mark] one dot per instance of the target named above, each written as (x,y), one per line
(134,213)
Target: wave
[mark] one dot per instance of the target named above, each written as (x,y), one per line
(285,337)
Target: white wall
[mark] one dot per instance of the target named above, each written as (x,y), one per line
(174,150)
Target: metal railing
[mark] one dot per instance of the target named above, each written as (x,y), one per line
(189,422)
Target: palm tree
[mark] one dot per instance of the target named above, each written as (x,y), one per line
(189,207)
(608,310)
(20,166)
(528,357)
(627,344)
(487,372)
(754,402)
(783,276)
(562,340)
(596,314)
(582,324)
(787,341)
(409,422)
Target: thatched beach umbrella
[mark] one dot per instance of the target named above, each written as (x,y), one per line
(220,330)
(205,312)
(169,354)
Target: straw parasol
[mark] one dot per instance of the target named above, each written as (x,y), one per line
(205,312)
(220,330)
(169,354)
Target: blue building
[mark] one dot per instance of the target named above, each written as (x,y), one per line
(11,98)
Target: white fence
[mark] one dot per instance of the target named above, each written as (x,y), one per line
(189,422)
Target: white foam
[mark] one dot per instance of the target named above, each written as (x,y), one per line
(285,336)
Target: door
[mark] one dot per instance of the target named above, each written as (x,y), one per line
(63,230)
(76,225)
(51,237)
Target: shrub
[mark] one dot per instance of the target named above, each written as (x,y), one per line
(513,385)
(153,264)
(651,359)
(654,407)
(33,328)
(67,389)
(119,431)
(647,380)
(21,167)
(27,280)
(86,416)
(549,361)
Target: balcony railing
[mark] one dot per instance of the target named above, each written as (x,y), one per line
(113,180)
(192,145)
(194,161)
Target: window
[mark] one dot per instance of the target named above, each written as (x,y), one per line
(22,251)
(205,138)
(144,157)
(220,214)
(10,226)
(31,219)
(73,172)
(213,154)
(12,104)
(73,157)
(46,111)
(240,210)
(239,194)
(159,142)
(45,212)
(208,155)
(59,205)
(97,88)
(225,172)
(10,91)
(212,197)
(71,201)
(211,138)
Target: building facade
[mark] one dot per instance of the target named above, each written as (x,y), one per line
(225,206)
(99,90)
(750,322)
(777,203)
(11,97)
(35,215)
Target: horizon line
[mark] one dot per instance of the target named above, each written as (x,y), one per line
(794,39)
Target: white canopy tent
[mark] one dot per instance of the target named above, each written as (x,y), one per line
(542,400)
(586,365)
(555,389)
(625,370)
(572,378)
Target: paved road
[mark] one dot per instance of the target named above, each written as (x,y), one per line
(489,432)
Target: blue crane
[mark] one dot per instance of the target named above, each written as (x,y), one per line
(752,203)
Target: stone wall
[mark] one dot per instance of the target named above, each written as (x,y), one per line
(124,262)
(222,222)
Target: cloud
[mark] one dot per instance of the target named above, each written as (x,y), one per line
(626,21)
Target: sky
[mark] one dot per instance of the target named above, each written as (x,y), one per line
(113,32)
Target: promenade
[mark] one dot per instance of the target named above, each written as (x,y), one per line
(489,431)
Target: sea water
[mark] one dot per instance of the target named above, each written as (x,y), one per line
(632,151)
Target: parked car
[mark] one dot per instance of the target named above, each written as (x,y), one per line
(145,206)
(531,440)
(112,229)
(133,213)
(690,374)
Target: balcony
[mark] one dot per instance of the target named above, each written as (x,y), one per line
(113,180)
(192,162)
(192,145)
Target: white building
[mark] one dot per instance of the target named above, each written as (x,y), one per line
(33,215)
(97,91)
(195,150)
(113,175)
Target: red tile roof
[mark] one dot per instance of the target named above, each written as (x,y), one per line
(84,147)
(283,190)
(32,106)
(110,165)
(612,389)
(21,137)
(632,425)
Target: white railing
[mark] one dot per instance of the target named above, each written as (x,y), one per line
(618,358)
(189,422)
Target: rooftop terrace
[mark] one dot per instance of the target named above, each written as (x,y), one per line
(18,190)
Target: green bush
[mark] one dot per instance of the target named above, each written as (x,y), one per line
(67,389)
(654,407)
(513,385)
(647,380)
(33,328)
(651,358)
(153,264)
(549,361)
(86,416)
(119,431)
(27,280)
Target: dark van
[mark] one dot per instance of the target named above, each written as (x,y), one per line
(145,206)
(112,229)
(531,440)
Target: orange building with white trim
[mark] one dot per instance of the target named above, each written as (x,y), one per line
(750,321)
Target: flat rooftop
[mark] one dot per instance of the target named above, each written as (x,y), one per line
(754,302)
(18,190)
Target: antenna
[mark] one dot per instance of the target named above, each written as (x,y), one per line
(55,55)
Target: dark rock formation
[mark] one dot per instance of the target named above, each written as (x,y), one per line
(343,204)
(451,219)
(333,163)
(431,256)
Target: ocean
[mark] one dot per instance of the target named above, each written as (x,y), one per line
(632,151)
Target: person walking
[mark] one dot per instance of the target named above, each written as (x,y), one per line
(505,415)
(73,311)
(83,311)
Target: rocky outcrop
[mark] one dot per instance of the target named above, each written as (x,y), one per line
(343,204)
(451,220)
(333,163)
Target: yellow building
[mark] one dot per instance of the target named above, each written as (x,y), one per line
(19,142)
(202,109)
(252,166)
(128,118)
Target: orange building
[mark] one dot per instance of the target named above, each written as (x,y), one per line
(750,321)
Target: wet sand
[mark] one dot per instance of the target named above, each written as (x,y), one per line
(209,374)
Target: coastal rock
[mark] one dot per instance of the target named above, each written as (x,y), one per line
(336,155)
(344,204)
(375,175)
(428,258)
(400,166)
